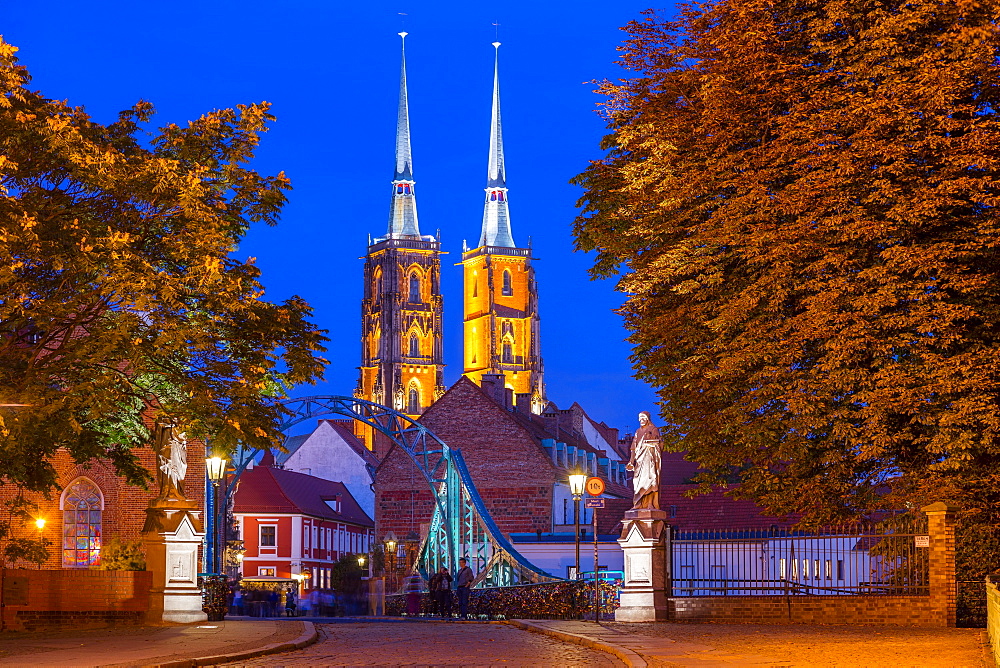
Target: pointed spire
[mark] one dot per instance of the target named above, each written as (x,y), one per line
(496,218)
(403,213)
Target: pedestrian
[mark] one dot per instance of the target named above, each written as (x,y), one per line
(464,579)
(272,603)
(238,602)
(442,593)
(289,603)
(412,586)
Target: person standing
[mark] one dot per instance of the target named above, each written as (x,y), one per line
(440,586)
(464,579)
(412,586)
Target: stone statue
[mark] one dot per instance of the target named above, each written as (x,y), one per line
(171,454)
(645,465)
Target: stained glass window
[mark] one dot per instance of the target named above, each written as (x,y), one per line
(82,506)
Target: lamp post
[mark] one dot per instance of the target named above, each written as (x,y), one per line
(390,557)
(215,468)
(576,483)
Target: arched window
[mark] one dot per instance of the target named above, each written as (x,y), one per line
(81,504)
(508,353)
(414,289)
(508,289)
(414,346)
(475,284)
(413,401)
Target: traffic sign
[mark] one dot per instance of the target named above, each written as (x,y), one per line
(595,486)
(593,503)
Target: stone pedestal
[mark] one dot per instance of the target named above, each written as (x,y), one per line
(171,535)
(644,595)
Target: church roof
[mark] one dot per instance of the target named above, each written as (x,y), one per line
(293,443)
(266,489)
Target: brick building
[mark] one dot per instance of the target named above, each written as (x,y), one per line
(519,461)
(291,522)
(91,504)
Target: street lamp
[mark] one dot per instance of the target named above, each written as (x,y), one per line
(576,482)
(390,557)
(215,468)
(361,561)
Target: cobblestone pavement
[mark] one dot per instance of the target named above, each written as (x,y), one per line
(434,644)
(823,646)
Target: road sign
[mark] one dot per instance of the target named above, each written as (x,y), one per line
(595,486)
(593,503)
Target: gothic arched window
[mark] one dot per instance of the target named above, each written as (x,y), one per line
(414,346)
(413,401)
(508,353)
(414,289)
(82,504)
(508,289)
(475,284)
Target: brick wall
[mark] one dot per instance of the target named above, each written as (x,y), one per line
(510,470)
(124,504)
(885,610)
(993,616)
(66,597)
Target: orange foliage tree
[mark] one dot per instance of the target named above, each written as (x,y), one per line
(799,199)
(120,298)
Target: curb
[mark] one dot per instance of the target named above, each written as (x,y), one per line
(308,637)
(629,657)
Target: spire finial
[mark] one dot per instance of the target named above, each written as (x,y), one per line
(403,214)
(496,221)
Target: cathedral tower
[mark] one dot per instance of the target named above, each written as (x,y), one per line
(402,356)
(501,299)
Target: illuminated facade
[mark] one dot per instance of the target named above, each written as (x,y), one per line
(402,355)
(500,302)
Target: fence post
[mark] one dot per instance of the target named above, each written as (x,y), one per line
(941,561)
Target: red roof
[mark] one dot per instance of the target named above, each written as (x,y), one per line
(712,511)
(265,489)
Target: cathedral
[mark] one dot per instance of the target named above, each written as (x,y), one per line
(402,363)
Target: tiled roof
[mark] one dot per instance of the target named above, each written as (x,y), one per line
(265,489)
(712,511)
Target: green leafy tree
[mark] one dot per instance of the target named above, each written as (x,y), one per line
(799,198)
(120,298)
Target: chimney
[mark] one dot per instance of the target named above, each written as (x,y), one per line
(523,404)
(495,385)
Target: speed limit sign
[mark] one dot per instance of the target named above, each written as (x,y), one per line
(595,486)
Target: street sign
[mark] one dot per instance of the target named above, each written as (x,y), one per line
(595,487)
(593,503)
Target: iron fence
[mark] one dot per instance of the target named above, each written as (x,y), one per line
(882,559)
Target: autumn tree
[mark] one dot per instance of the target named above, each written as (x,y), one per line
(799,198)
(120,297)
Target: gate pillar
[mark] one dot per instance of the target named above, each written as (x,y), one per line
(644,594)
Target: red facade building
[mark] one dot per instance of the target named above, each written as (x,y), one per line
(293,523)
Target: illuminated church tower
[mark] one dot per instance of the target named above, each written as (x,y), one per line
(402,356)
(501,299)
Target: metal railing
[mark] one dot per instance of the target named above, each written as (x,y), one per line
(884,559)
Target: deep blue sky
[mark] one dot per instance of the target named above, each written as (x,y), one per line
(330,69)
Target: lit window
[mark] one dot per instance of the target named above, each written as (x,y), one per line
(413,402)
(266,572)
(508,289)
(268,536)
(82,505)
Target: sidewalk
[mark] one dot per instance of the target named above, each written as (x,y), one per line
(205,643)
(680,645)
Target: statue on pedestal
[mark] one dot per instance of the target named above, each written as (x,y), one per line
(645,465)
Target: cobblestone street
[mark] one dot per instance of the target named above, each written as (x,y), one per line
(434,644)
